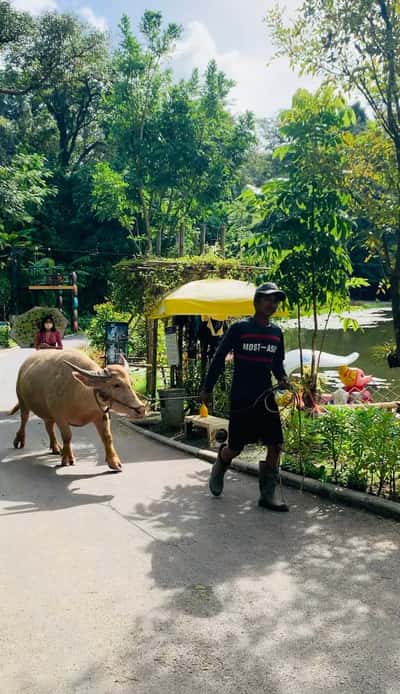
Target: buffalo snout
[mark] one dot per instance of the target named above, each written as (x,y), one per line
(140,412)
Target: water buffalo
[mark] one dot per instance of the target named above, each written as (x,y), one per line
(69,389)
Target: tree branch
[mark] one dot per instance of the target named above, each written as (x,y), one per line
(14,92)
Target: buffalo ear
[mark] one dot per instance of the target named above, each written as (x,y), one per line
(80,377)
(92,380)
(88,381)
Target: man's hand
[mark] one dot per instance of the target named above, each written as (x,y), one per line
(205,397)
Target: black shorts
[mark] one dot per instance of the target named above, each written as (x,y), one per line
(254,424)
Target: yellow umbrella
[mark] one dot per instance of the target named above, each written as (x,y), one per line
(27,324)
(218,298)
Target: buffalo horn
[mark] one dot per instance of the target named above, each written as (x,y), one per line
(91,374)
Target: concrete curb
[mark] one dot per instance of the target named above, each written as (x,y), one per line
(373,504)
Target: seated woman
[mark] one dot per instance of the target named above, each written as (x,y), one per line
(48,337)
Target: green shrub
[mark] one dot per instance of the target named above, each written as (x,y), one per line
(192,380)
(193,377)
(107,312)
(84,320)
(4,336)
(303,441)
(336,439)
(354,447)
(222,391)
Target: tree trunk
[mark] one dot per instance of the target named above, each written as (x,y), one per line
(145,212)
(181,241)
(202,238)
(299,340)
(324,334)
(158,242)
(222,240)
(313,387)
(395,290)
(314,366)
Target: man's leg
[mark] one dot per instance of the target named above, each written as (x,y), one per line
(237,437)
(224,459)
(269,478)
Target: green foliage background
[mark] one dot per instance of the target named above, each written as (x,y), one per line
(139,285)
(105,155)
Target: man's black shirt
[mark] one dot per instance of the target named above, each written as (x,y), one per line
(258,351)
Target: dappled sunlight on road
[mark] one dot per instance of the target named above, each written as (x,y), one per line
(317,587)
(167,589)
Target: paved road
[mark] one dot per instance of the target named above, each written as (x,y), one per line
(140,583)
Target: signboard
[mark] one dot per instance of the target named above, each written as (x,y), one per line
(171,344)
(116,341)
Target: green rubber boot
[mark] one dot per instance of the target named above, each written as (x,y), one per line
(218,470)
(269,478)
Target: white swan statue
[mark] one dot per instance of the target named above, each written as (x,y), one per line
(292,361)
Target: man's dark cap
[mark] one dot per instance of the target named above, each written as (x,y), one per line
(270,288)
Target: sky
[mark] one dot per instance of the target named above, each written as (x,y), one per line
(231,31)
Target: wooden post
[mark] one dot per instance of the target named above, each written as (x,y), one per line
(149,356)
(202,238)
(222,239)
(75,302)
(153,390)
(179,370)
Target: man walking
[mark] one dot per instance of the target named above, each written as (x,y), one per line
(258,351)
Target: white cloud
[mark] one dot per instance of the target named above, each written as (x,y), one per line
(99,23)
(35,6)
(262,88)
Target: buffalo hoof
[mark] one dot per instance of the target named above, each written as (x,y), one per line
(19,441)
(67,461)
(114,465)
(56,450)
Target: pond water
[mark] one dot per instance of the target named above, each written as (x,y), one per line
(376,328)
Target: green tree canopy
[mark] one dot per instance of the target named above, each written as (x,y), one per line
(304,225)
(23,189)
(176,146)
(357,43)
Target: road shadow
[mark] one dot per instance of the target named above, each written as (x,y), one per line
(135,447)
(29,486)
(131,446)
(315,587)
(166,657)
(255,602)
(249,601)
(33,480)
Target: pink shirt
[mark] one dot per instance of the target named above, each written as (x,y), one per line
(52,338)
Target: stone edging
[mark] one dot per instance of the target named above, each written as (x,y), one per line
(374,504)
